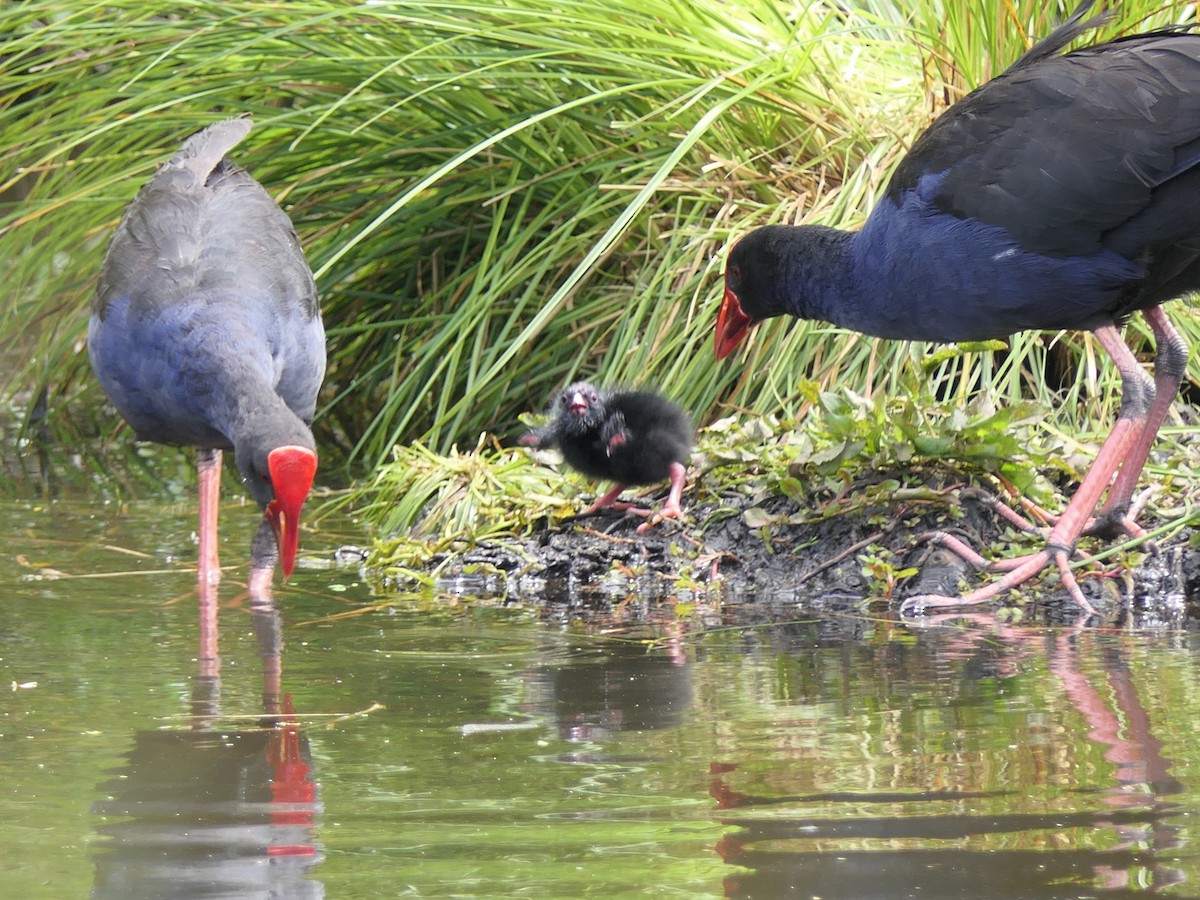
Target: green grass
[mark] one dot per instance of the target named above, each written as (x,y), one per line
(498,196)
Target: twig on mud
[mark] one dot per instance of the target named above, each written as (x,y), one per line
(853,548)
(608,537)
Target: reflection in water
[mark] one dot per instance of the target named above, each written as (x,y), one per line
(213,812)
(625,688)
(852,755)
(966,838)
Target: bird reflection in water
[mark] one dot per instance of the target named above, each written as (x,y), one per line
(960,835)
(212,811)
(627,689)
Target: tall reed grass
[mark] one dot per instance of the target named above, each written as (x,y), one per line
(499,196)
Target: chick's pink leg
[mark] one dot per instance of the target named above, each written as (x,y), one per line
(672,508)
(609,499)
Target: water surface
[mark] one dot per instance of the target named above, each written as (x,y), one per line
(452,746)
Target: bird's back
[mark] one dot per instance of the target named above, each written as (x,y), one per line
(1072,153)
(1065,193)
(205,295)
(660,434)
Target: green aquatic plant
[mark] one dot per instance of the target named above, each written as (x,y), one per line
(485,492)
(878,566)
(848,456)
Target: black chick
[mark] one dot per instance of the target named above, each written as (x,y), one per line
(630,437)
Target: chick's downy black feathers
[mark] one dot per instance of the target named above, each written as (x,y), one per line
(629,437)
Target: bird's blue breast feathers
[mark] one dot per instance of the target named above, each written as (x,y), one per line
(968,280)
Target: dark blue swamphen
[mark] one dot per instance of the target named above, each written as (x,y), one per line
(1063,194)
(630,437)
(206,331)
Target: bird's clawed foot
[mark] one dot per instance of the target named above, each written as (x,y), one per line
(1016,572)
(1109,523)
(1063,531)
(653,517)
(1010,515)
(1114,523)
(672,509)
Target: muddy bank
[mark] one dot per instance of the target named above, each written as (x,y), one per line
(776,558)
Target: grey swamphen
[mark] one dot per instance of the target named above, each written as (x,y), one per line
(205,331)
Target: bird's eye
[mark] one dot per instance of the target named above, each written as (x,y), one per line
(734,271)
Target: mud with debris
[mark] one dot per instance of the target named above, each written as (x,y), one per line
(770,555)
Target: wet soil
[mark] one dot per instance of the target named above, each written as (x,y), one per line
(789,559)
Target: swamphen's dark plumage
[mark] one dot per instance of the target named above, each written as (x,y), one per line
(1063,194)
(630,437)
(206,331)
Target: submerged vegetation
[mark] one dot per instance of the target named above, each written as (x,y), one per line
(497,197)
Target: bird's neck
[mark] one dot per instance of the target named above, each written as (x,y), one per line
(869,281)
(264,419)
(818,275)
(261,425)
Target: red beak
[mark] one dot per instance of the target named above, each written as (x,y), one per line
(732,325)
(292,470)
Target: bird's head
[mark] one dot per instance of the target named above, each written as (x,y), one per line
(752,289)
(280,479)
(581,407)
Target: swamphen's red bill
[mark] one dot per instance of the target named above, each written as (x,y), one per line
(732,325)
(292,472)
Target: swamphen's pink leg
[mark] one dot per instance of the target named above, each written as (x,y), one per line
(1120,511)
(1136,403)
(209,637)
(208,475)
(1170,364)
(264,553)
